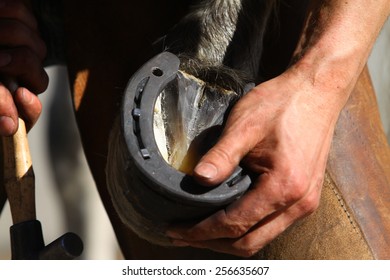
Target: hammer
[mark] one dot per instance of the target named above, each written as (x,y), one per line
(26,232)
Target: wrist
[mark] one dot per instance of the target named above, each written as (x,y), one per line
(331,74)
(324,83)
(335,45)
(328,72)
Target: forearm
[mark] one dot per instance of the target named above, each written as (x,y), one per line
(336,43)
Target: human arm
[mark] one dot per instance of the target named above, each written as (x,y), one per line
(21,54)
(286,127)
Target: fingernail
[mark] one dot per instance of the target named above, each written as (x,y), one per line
(26,97)
(5,59)
(7,126)
(206,170)
(174,235)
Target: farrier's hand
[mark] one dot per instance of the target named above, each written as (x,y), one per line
(21,54)
(282,131)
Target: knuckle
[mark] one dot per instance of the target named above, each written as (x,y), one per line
(236,230)
(13,32)
(28,68)
(6,101)
(310,203)
(222,155)
(233,228)
(22,60)
(26,56)
(295,186)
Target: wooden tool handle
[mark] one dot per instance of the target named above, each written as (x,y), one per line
(19,177)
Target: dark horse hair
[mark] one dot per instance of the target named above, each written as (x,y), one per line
(220,36)
(219,42)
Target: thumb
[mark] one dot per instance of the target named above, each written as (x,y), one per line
(221,160)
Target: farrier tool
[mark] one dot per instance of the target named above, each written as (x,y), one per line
(26,233)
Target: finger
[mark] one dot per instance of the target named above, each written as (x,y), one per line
(271,193)
(26,67)
(222,159)
(243,130)
(247,245)
(8,113)
(262,233)
(16,9)
(15,34)
(29,106)
(232,222)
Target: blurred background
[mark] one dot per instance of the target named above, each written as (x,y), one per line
(54,144)
(379,65)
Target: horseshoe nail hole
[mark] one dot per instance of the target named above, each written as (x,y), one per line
(157,72)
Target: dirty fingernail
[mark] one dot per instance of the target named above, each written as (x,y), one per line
(5,59)
(206,170)
(7,126)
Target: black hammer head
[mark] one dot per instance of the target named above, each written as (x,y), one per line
(27,243)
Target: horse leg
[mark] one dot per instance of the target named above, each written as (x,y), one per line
(103,54)
(105,46)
